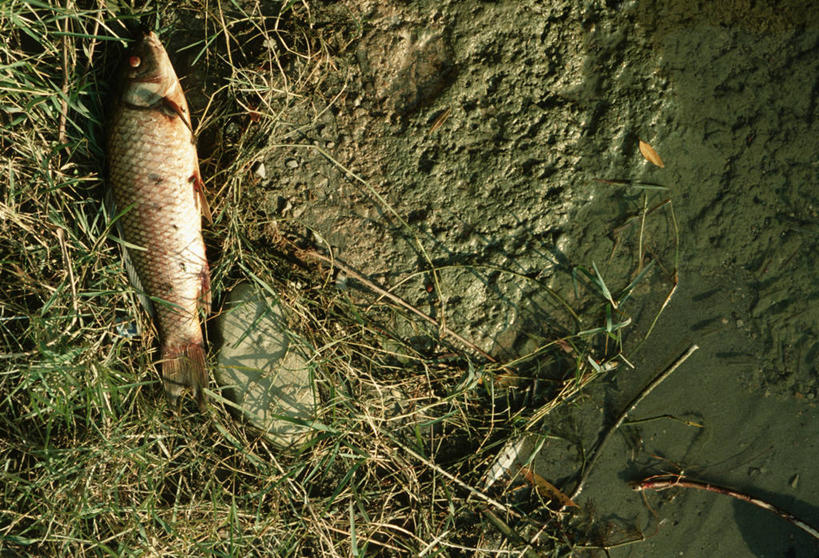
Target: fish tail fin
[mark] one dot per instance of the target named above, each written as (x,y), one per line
(183,365)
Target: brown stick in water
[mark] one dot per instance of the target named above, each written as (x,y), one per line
(661,482)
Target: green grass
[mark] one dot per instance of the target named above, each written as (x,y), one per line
(93,463)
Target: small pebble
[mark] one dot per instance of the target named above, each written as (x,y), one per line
(260,171)
(126,329)
(291,164)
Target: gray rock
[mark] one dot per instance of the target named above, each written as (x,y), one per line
(262,367)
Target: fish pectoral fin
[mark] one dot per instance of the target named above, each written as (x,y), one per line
(173,107)
(199,196)
(204,289)
(133,276)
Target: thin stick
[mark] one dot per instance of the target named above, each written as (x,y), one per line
(630,407)
(400,302)
(661,482)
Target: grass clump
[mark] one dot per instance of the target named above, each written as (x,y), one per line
(92,462)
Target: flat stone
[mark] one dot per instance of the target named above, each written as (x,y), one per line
(263,368)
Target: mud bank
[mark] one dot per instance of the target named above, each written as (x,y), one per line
(497,143)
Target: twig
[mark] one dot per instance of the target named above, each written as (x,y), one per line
(445,331)
(661,482)
(630,407)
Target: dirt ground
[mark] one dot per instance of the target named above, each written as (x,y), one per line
(472,137)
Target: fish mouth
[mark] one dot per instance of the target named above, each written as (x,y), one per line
(148,47)
(149,36)
(152,40)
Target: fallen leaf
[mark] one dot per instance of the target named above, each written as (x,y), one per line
(651,155)
(546,489)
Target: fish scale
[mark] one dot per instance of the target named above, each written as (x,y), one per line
(153,174)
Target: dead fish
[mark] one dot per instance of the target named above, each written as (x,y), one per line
(155,185)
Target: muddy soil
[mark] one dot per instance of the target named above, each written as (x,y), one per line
(497,142)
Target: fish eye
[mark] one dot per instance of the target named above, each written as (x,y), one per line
(134,61)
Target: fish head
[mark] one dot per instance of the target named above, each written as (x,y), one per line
(148,73)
